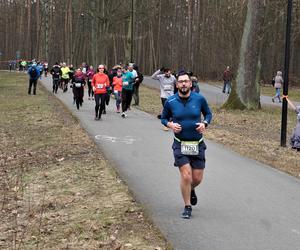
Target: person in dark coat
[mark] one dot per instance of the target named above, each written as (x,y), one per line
(34,74)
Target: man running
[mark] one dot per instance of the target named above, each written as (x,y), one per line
(65,76)
(182,113)
(167,82)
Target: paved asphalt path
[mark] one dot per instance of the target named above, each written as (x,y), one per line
(213,93)
(242,204)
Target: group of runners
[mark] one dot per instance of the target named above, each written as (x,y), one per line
(185,110)
(122,81)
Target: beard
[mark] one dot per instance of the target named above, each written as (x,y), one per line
(184,91)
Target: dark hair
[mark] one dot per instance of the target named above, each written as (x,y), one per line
(181,72)
(166,70)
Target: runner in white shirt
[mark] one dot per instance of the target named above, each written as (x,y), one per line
(167,83)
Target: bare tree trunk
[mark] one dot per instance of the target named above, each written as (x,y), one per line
(247,91)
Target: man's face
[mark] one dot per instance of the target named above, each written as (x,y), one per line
(130,68)
(168,73)
(184,84)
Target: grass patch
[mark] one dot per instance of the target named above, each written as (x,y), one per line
(254,134)
(56,189)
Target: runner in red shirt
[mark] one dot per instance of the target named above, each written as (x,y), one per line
(100,82)
(117,83)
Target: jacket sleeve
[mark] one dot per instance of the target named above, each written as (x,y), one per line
(166,114)
(156,74)
(205,110)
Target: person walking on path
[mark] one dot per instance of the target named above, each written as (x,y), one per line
(227,78)
(100,82)
(34,75)
(277,85)
(295,138)
(167,82)
(182,113)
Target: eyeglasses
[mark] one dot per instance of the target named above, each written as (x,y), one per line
(184,81)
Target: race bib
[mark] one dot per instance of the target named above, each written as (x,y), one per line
(99,86)
(77,84)
(116,91)
(167,87)
(190,147)
(125,83)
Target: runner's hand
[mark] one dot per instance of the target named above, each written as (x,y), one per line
(200,127)
(176,127)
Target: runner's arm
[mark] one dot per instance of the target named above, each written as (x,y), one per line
(205,110)
(156,75)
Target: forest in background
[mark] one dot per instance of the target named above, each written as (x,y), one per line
(204,36)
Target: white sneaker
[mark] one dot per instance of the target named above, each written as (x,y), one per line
(123,115)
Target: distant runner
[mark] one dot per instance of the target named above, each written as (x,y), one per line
(117,85)
(100,82)
(182,113)
(65,76)
(55,72)
(167,83)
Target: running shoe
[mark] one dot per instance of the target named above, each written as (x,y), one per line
(193,197)
(123,115)
(187,212)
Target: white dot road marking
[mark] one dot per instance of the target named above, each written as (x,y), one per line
(126,139)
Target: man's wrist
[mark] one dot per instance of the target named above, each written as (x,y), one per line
(169,124)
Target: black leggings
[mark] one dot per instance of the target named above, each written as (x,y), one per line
(64,84)
(100,102)
(90,89)
(126,99)
(32,83)
(78,95)
(55,85)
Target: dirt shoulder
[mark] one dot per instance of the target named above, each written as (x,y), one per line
(254,134)
(57,191)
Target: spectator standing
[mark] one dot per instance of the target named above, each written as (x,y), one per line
(227,78)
